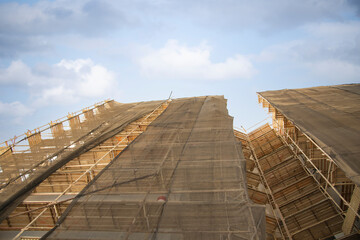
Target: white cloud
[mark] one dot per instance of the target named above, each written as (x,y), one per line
(263,16)
(15,110)
(65,82)
(29,28)
(336,70)
(330,51)
(59,16)
(17,73)
(333,50)
(336,30)
(175,61)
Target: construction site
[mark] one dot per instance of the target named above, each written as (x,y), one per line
(178,169)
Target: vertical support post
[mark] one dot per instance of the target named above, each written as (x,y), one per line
(350,216)
(269,194)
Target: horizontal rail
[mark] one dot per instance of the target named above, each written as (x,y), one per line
(56,200)
(12,141)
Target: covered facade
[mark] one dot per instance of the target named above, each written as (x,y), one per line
(182,178)
(177,169)
(321,126)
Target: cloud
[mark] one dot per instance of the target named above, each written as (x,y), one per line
(336,70)
(339,40)
(65,82)
(91,80)
(59,16)
(15,110)
(29,27)
(356,5)
(263,16)
(175,61)
(11,45)
(93,16)
(17,73)
(330,50)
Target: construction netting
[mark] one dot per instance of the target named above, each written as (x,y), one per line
(27,162)
(183,178)
(330,116)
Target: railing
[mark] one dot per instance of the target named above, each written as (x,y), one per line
(92,166)
(14,141)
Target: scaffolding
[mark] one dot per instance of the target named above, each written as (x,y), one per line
(183,178)
(177,169)
(320,126)
(65,190)
(29,161)
(302,209)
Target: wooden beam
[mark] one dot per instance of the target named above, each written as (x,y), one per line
(350,215)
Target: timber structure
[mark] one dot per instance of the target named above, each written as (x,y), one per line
(319,130)
(177,169)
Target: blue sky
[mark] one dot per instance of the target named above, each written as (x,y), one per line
(59,56)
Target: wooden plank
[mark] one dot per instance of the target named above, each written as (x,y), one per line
(350,215)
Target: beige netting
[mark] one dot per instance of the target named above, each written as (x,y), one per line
(26,163)
(183,178)
(330,116)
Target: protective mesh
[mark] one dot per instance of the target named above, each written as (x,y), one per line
(183,178)
(329,115)
(28,162)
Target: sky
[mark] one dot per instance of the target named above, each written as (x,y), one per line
(59,56)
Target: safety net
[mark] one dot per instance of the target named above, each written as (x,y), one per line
(27,162)
(329,115)
(183,178)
